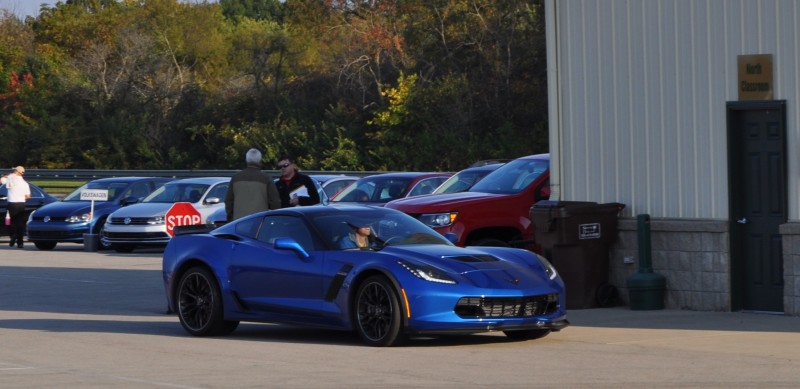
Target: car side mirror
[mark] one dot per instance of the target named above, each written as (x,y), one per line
(543,193)
(129,200)
(212,200)
(290,244)
(453,238)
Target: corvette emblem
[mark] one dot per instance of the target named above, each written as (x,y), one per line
(127,220)
(46,219)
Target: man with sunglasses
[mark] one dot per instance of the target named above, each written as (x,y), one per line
(295,188)
(251,190)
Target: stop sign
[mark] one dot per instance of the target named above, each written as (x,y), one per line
(181,214)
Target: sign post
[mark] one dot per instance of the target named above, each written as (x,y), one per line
(91,241)
(94,194)
(181,214)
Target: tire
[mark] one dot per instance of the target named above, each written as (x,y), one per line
(490,242)
(526,334)
(104,244)
(378,314)
(45,246)
(122,248)
(200,307)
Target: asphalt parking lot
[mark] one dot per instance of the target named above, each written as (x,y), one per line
(74,319)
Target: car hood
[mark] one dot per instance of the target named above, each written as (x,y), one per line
(444,202)
(498,268)
(143,210)
(160,209)
(69,208)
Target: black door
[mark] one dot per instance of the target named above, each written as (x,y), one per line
(757,175)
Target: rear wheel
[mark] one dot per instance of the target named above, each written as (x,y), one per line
(526,334)
(45,245)
(200,304)
(378,314)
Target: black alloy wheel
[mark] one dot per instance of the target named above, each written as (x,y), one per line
(200,304)
(378,312)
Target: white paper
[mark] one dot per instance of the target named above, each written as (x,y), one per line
(299,192)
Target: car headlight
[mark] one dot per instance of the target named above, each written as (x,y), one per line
(548,267)
(427,273)
(78,218)
(156,220)
(438,219)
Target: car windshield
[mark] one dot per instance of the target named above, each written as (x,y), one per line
(177,192)
(387,228)
(512,177)
(461,181)
(114,188)
(376,189)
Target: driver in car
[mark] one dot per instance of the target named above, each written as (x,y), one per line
(361,237)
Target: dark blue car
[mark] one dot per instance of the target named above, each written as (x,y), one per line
(69,219)
(38,199)
(301,266)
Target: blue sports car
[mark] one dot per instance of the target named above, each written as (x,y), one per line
(376,271)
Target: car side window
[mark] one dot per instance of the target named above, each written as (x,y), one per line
(248,228)
(275,227)
(139,190)
(218,191)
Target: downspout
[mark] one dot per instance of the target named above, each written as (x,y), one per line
(553,97)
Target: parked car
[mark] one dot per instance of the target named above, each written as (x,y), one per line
(333,184)
(286,266)
(493,212)
(67,220)
(379,189)
(144,224)
(464,179)
(38,199)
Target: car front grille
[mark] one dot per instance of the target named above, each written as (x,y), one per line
(488,307)
(44,234)
(135,235)
(134,221)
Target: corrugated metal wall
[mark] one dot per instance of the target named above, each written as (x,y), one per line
(638,91)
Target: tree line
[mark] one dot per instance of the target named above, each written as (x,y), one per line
(338,84)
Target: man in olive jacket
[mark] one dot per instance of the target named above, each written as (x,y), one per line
(251,190)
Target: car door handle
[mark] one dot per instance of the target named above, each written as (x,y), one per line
(742,220)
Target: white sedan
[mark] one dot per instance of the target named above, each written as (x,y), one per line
(144,224)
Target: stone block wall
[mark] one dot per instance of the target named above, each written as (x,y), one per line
(693,256)
(790,233)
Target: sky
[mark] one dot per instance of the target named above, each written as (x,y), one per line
(23,8)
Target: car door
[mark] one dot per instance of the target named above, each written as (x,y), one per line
(281,283)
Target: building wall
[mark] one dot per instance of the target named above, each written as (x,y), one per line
(638,92)
(790,233)
(691,254)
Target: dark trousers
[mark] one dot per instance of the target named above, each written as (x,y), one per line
(17,228)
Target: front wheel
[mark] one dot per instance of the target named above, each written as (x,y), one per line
(45,246)
(200,304)
(490,242)
(526,334)
(122,248)
(378,314)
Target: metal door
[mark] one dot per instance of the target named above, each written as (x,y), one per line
(758,203)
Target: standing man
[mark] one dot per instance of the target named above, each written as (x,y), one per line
(250,190)
(294,187)
(18,192)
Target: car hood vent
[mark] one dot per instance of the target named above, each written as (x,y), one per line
(473,258)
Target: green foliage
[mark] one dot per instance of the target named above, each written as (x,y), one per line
(338,85)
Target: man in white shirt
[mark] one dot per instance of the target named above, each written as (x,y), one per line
(18,192)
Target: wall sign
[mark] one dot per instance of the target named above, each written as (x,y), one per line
(755,77)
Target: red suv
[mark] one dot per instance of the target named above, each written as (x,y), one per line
(494,212)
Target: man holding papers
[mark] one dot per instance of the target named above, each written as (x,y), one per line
(294,187)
